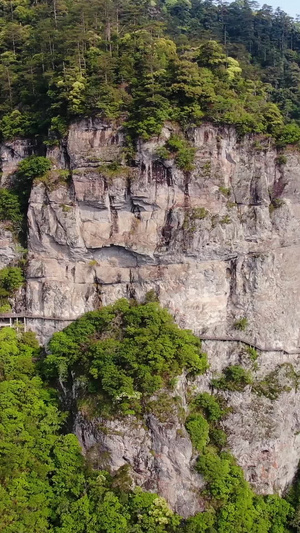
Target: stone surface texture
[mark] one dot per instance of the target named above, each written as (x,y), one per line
(217,244)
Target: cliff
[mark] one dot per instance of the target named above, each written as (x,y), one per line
(217,244)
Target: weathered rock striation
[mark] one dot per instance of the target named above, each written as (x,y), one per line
(217,244)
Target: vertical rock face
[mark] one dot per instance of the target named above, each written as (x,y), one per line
(10,156)
(217,244)
(157,450)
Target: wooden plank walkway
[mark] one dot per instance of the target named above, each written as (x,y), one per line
(36,317)
(12,320)
(258,347)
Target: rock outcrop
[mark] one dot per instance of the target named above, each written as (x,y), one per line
(157,449)
(217,244)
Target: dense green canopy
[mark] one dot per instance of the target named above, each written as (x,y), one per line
(147,61)
(124,353)
(45,484)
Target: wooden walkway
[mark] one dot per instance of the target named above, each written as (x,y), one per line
(19,320)
(15,320)
(257,347)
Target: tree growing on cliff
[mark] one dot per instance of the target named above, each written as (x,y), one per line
(124,353)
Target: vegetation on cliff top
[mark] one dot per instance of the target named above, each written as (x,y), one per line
(146,62)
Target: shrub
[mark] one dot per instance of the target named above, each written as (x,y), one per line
(282,379)
(220,472)
(289,134)
(210,406)
(253,353)
(225,220)
(201,522)
(241,324)
(33,167)
(276,203)
(151,296)
(5,308)
(16,124)
(29,169)
(281,160)
(235,378)
(198,429)
(179,149)
(10,208)
(225,191)
(11,279)
(198,213)
(218,437)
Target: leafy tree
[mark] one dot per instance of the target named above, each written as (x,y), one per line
(125,351)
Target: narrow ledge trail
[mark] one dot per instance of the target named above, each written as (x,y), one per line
(9,320)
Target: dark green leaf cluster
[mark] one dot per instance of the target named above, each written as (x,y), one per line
(11,279)
(28,170)
(179,148)
(11,209)
(14,201)
(235,378)
(124,352)
(235,506)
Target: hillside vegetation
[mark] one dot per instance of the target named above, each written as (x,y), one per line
(45,483)
(147,61)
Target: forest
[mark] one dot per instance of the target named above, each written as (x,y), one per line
(46,485)
(137,63)
(143,62)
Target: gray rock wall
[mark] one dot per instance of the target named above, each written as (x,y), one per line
(217,244)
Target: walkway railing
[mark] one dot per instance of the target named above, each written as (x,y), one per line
(17,319)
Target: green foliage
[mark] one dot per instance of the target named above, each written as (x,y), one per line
(11,279)
(33,167)
(182,151)
(10,209)
(226,191)
(198,429)
(115,169)
(123,352)
(201,522)
(198,213)
(151,296)
(225,220)
(289,134)
(218,437)
(5,308)
(253,353)
(281,160)
(179,149)
(147,64)
(234,378)
(282,379)
(45,485)
(16,124)
(241,324)
(210,406)
(29,169)
(191,216)
(236,506)
(276,203)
